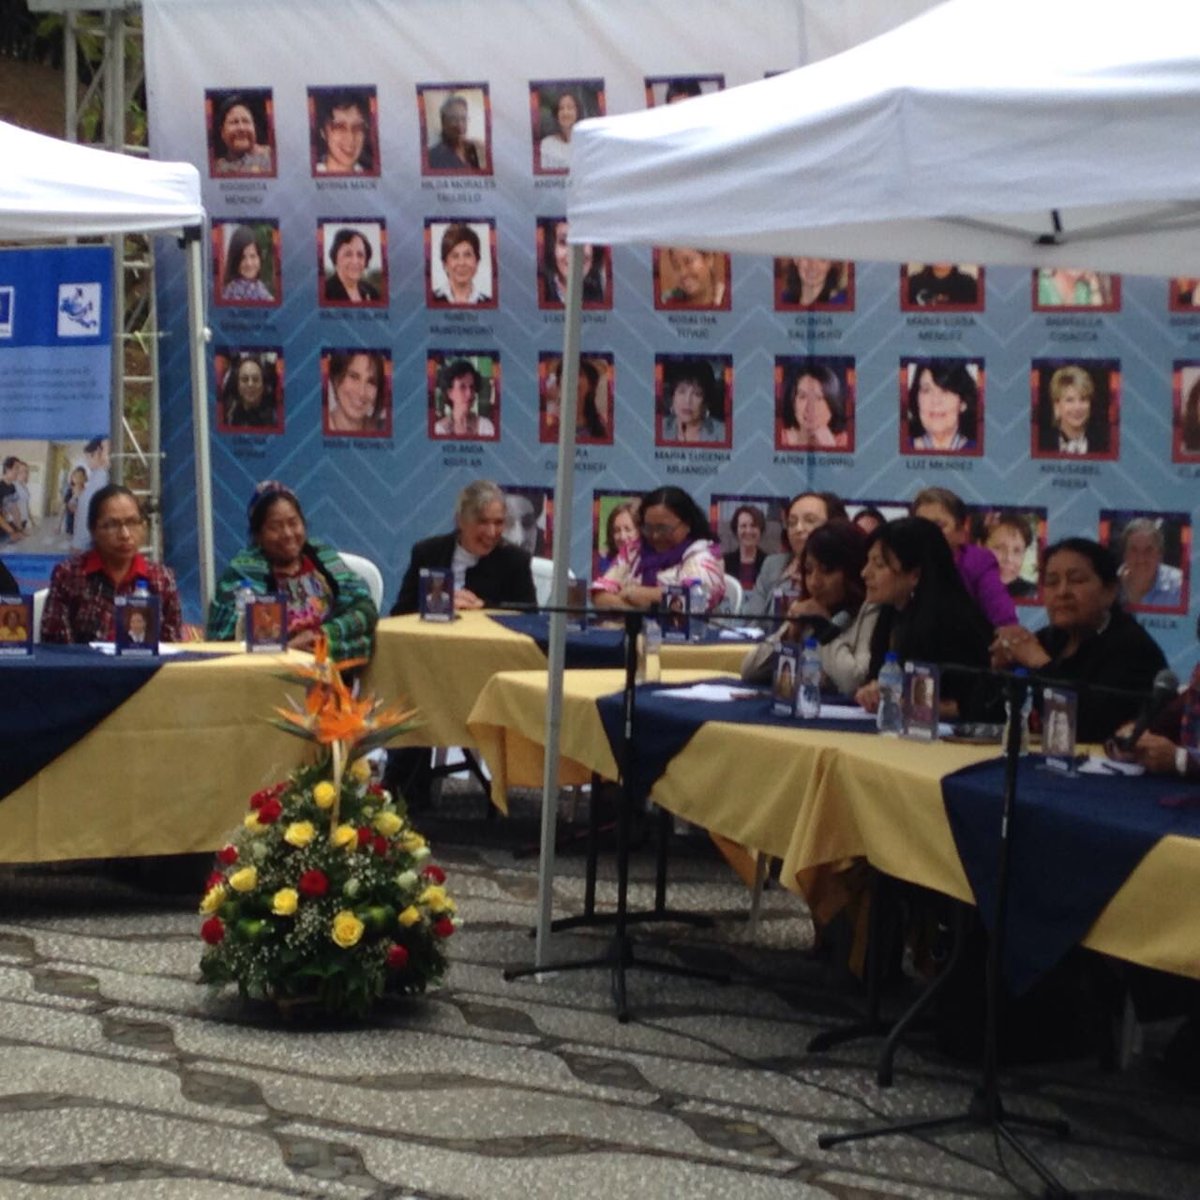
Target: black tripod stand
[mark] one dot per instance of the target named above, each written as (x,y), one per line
(620,955)
(986,1108)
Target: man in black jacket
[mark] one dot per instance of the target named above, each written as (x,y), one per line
(487,570)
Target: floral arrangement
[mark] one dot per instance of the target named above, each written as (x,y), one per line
(326,895)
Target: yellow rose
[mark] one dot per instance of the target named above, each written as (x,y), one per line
(434,896)
(388,823)
(360,770)
(347,929)
(251,822)
(324,794)
(245,880)
(284,902)
(299,833)
(412,841)
(409,916)
(213,898)
(345,835)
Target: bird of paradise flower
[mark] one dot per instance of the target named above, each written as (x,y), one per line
(346,726)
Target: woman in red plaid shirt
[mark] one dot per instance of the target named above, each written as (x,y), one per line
(80,604)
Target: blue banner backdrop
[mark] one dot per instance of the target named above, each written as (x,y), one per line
(387,182)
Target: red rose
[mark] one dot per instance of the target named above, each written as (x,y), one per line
(397,958)
(212,881)
(380,845)
(443,927)
(313,883)
(364,835)
(375,789)
(213,931)
(434,872)
(269,810)
(227,855)
(268,793)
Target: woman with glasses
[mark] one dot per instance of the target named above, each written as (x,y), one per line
(781,573)
(81,604)
(676,547)
(323,595)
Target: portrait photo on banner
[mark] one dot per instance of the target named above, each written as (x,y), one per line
(461,263)
(672,89)
(595,398)
(687,278)
(941,406)
(343,125)
(1076,407)
(456,128)
(555,106)
(464,394)
(947,287)
(241,132)
(616,522)
(868,515)
(249,389)
(553,256)
(352,262)
(1071,289)
(529,518)
(357,386)
(693,400)
(813,285)
(814,403)
(1154,550)
(1183,293)
(247,263)
(1017,537)
(748,529)
(1185,420)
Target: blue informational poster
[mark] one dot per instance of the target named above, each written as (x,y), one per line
(55,401)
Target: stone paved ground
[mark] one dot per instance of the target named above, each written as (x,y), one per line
(121,1076)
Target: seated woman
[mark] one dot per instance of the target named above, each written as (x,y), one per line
(977,566)
(487,569)
(781,572)
(832,610)
(323,594)
(80,606)
(676,547)
(925,614)
(1090,642)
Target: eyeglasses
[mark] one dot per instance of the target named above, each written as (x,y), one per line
(129,525)
(660,530)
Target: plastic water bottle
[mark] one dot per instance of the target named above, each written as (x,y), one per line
(141,589)
(1026,710)
(696,607)
(808,695)
(244,591)
(889,718)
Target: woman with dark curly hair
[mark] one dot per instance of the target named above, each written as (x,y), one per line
(943,406)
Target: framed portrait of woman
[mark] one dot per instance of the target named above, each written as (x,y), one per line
(1185,420)
(463,388)
(555,107)
(672,89)
(553,255)
(241,133)
(616,517)
(352,267)
(343,125)
(692,279)
(247,263)
(461,263)
(1154,550)
(356,386)
(941,406)
(594,399)
(1076,408)
(944,287)
(529,518)
(1017,537)
(456,128)
(814,404)
(1072,289)
(249,389)
(693,400)
(813,285)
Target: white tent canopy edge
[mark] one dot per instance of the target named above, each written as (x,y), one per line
(57,189)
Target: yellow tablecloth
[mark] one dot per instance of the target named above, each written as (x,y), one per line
(814,799)
(442,668)
(169,772)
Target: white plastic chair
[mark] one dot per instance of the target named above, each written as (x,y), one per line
(734,598)
(543,578)
(39,603)
(368,572)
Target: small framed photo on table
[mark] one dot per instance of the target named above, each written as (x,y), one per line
(922,688)
(1058,729)
(16,626)
(136,620)
(436,594)
(266,624)
(783,690)
(577,602)
(676,613)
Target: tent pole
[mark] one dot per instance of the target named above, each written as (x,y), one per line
(199,367)
(563,493)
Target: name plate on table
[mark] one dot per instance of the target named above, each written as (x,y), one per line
(136,620)
(783,690)
(676,611)
(436,594)
(16,626)
(922,693)
(266,624)
(1059,706)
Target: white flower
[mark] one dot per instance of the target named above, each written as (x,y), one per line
(421,854)
(351,887)
(258,850)
(406,879)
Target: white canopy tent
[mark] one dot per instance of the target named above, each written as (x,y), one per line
(56,189)
(1005,132)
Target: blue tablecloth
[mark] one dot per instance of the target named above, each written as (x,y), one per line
(1073,843)
(586,648)
(663,725)
(56,696)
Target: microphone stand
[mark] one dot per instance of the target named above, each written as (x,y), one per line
(619,957)
(986,1107)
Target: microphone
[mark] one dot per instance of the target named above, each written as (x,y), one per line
(1164,690)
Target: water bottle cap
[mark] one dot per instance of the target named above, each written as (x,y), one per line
(1023,672)
(810,643)
(141,586)
(890,657)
